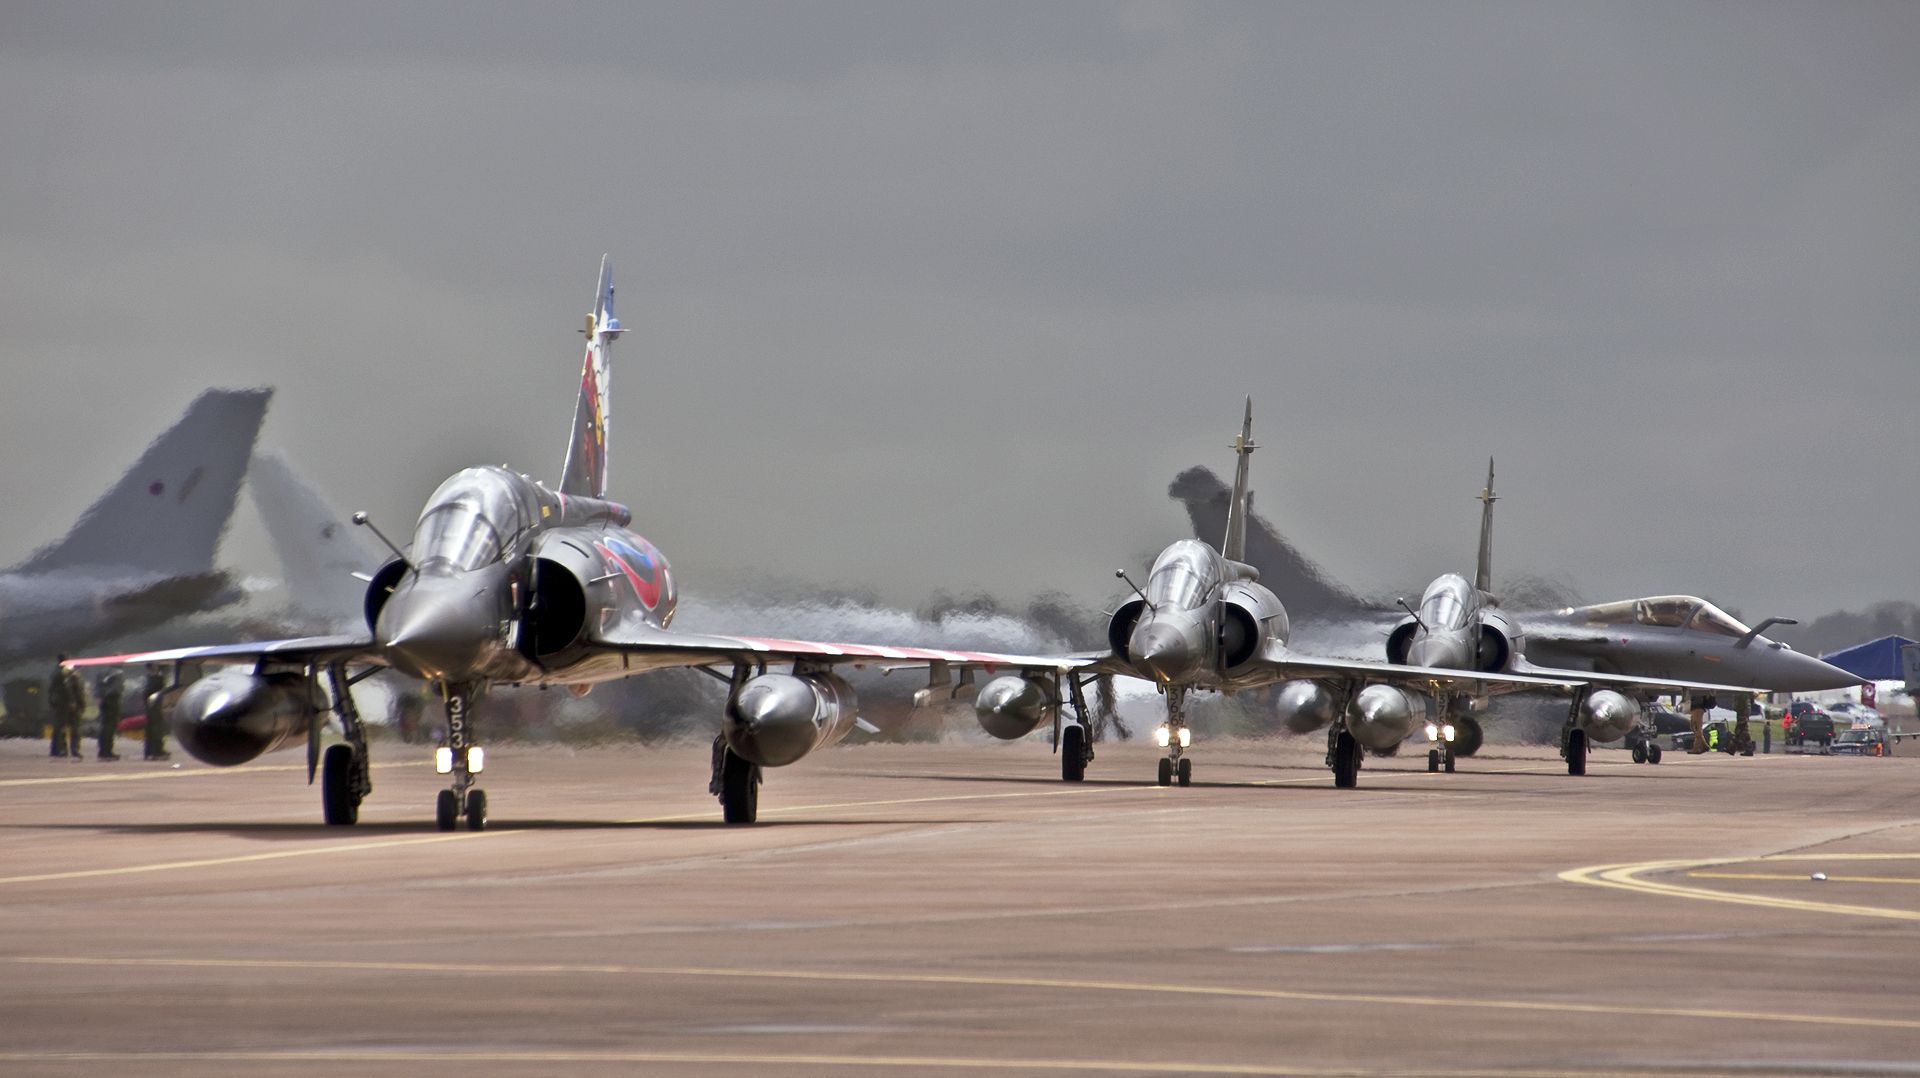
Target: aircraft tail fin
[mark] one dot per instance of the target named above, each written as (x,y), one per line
(1483,572)
(319,549)
(167,513)
(586,469)
(1235,545)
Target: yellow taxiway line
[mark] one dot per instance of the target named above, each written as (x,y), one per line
(475,969)
(170,773)
(1629,878)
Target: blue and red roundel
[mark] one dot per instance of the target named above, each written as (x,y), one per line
(640,564)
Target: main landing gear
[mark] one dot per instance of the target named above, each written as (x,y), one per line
(1174,736)
(736,782)
(1343,749)
(1075,741)
(345,780)
(1573,740)
(462,759)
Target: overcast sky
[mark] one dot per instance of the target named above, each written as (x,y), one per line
(942,297)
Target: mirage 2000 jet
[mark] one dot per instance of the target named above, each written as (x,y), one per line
(1613,655)
(510,582)
(1205,622)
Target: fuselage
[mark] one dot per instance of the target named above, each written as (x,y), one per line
(505,581)
(1203,616)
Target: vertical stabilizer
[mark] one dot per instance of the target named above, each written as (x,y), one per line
(166,515)
(1235,546)
(586,470)
(1483,573)
(319,549)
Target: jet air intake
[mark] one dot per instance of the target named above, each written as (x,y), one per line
(231,716)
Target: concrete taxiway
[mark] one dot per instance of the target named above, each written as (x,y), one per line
(946,909)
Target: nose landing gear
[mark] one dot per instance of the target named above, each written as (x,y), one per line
(1174,736)
(462,759)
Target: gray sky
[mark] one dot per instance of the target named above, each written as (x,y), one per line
(942,297)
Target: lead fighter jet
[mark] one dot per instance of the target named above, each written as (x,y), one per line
(509,582)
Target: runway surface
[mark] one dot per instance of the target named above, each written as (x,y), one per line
(954,909)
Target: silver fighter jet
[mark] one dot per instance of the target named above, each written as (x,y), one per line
(1614,656)
(510,582)
(1205,622)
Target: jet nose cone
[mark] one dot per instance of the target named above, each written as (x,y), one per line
(439,629)
(1813,675)
(1447,651)
(1165,651)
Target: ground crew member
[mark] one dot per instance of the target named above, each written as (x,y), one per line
(66,696)
(110,690)
(156,722)
(1696,716)
(1713,738)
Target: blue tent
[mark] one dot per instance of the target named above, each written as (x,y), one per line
(1876,660)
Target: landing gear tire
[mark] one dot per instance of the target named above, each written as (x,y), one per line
(1073,754)
(739,790)
(1184,772)
(1653,753)
(1433,760)
(1576,752)
(1449,763)
(476,810)
(446,810)
(1346,762)
(337,804)
(1166,772)
(1639,752)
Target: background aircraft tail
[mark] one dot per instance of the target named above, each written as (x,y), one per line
(586,470)
(319,548)
(1483,573)
(168,512)
(1235,545)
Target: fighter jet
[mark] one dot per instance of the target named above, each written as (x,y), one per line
(1205,622)
(1615,655)
(510,582)
(143,553)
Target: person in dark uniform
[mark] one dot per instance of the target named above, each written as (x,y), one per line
(109,692)
(156,722)
(66,697)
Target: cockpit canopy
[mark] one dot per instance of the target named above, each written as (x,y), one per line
(1445,605)
(1184,577)
(475,517)
(1663,611)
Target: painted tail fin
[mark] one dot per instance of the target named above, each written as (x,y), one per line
(318,547)
(586,470)
(1235,546)
(169,510)
(1483,574)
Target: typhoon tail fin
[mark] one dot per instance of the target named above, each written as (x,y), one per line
(1235,545)
(318,547)
(586,470)
(1483,573)
(168,512)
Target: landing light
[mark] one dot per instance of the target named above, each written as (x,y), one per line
(477,758)
(1186,737)
(443,761)
(1447,732)
(1433,732)
(1161,737)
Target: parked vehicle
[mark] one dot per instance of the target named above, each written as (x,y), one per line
(1863,741)
(1808,724)
(1848,713)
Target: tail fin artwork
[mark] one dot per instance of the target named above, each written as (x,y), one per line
(586,471)
(1235,546)
(318,547)
(1483,573)
(167,513)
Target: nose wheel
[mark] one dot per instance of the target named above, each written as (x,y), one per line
(1174,735)
(462,759)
